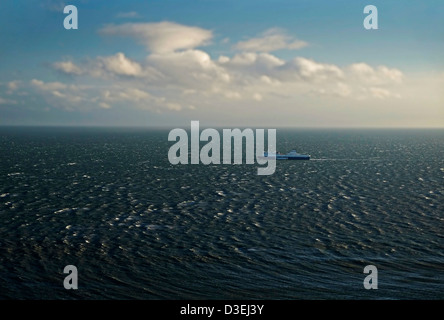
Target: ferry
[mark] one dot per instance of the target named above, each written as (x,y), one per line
(292,155)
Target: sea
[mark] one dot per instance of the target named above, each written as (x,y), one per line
(136,227)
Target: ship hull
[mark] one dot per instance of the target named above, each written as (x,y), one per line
(293,155)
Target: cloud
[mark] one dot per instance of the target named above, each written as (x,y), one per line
(381,93)
(194,78)
(379,75)
(126,94)
(256,59)
(104,105)
(272,69)
(13,85)
(139,98)
(161,37)
(174,106)
(309,69)
(61,95)
(271,40)
(333,90)
(248,66)
(257,97)
(7,101)
(189,68)
(119,64)
(109,67)
(67,67)
(175,75)
(48,86)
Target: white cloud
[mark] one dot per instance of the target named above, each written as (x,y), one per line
(194,78)
(189,69)
(270,81)
(262,59)
(379,75)
(62,95)
(333,90)
(127,94)
(312,70)
(249,66)
(124,95)
(13,85)
(381,93)
(391,74)
(104,105)
(174,63)
(161,37)
(109,67)
(257,97)
(67,67)
(271,40)
(175,75)
(232,94)
(48,86)
(119,64)
(174,106)
(342,90)
(57,94)
(7,101)
(223,59)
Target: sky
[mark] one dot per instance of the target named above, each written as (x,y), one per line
(225,63)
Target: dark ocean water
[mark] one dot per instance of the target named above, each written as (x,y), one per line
(136,227)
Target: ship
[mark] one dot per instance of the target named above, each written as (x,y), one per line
(292,155)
